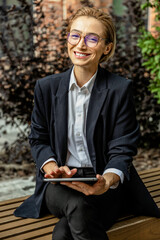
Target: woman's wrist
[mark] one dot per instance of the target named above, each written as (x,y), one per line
(50,166)
(111,178)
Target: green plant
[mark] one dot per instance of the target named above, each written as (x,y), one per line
(127,62)
(21,66)
(24,58)
(150,47)
(22,62)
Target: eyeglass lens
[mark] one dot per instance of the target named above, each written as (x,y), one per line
(90,40)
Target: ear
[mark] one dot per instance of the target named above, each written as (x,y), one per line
(108,48)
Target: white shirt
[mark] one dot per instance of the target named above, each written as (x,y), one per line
(78,101)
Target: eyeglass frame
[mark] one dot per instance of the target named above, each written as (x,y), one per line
(94,34)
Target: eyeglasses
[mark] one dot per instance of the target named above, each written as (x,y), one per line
(91,40)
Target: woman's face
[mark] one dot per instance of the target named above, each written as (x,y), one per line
(80,54)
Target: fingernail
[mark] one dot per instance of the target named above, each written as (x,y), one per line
(69,172)
(62,183)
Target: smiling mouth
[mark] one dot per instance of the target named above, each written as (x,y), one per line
(78,54)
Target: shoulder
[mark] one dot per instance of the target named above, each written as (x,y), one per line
(115,81)
(119,87)
(52,81)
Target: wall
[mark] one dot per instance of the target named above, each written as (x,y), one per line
(151,21)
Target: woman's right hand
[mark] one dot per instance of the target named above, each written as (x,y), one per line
(53,171)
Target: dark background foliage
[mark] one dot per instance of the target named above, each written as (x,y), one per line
(24,61)
(128,62)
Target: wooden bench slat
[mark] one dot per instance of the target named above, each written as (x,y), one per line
(153,183)
(154,188)
(24,222)
(32,235)
(7,219)
(158,204)
(157,199)
(126,228)
(9,207)
(150,179)
(130,221)
(147,175)
(147,229)
(155,193)
(46,237)
(15,200)
(29,228)
(143,172)
(7,213)
(12,218)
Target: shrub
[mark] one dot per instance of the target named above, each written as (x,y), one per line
(24,61)
(150,47)
(128,62)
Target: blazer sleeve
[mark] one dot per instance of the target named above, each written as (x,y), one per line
(123,143)
(39,137)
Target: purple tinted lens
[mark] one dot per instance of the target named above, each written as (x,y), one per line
(91,40)
(73,38)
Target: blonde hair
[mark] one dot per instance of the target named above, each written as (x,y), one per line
(107,22)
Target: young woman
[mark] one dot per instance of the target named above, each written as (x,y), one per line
(84,124)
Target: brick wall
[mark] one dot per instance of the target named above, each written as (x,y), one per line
(60,9)
(151,21)
(62,12)
(62,6)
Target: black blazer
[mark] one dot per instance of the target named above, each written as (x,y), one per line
(111,132)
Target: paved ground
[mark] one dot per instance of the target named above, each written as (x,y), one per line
(10,136)
(17,180)
(16,188)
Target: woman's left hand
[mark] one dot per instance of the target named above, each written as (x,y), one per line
(101,186)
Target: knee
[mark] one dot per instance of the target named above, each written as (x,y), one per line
(62,230)
(58,234)
(77,204)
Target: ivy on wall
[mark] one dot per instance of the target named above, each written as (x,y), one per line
(150,47)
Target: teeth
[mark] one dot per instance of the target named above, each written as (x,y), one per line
(80,54)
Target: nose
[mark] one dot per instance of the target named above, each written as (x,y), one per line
(81,43)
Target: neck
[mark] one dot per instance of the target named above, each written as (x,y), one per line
(83,75)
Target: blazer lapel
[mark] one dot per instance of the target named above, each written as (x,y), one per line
(61,116)
(98,96)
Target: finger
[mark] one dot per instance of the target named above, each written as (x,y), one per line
(73,171)
(57,171)
(49,175)
(65,170)
(100,180)
(99,177)
(53,173)
(75,187)
(80,184)
(69,172)
(85,188)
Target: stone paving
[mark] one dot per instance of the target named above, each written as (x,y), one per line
(11,134)
(14,183)
(15,188)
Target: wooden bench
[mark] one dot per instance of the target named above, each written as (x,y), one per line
(127,228)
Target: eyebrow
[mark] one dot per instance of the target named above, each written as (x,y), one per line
(86,33)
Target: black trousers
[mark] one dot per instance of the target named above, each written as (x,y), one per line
(82,217)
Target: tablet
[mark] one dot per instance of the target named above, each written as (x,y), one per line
(89,179)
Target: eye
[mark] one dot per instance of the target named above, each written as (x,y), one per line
(92,38)
(74,35)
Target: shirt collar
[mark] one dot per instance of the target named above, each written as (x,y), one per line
(88,85)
